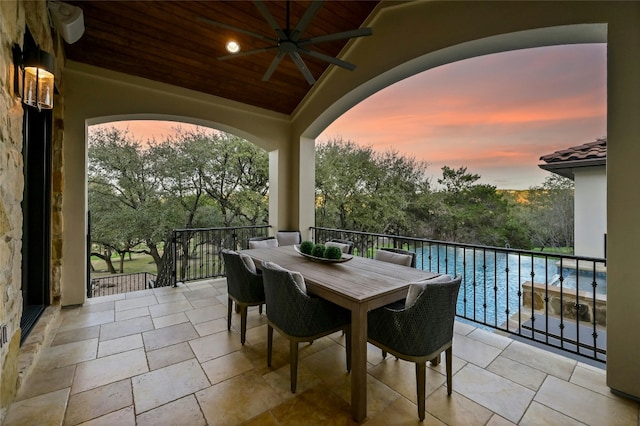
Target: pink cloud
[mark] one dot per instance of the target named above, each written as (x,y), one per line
(492,113)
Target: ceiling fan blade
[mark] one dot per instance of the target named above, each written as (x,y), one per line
(331,59)
(305,20)
(269,18)
(240,30)
(248,52)
(273,66)
(303,67)
(360,32)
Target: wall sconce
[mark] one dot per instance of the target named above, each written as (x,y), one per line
(33,74)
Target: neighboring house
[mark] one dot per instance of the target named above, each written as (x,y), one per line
(586,165)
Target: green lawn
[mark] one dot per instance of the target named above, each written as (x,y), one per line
(555,250)
(137,263)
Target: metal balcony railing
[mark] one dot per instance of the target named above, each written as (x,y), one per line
(190,254)
(194,254)
(554,299)
(123,283)
(557,300)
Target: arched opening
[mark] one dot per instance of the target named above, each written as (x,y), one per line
(161,189)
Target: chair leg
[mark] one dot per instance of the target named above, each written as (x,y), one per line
(384,354)
(436,361)
(243,324)
(269,344)
(260,309)
(230,308)
(449,362)
(421,373)
(293,359)
(348,348)
(237,309)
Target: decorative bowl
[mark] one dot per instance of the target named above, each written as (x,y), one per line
(345,257)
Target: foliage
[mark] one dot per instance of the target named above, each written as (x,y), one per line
(470,212)
(359,189)
(306,247)
(332,253)
(318,250)
(203,178)
(123,195)
(218,170)
(549,213)
(138,192)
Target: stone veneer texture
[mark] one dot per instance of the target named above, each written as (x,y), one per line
(14,15)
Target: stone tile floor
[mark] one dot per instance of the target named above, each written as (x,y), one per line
(164,357)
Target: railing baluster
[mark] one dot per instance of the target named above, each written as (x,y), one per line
(439,259)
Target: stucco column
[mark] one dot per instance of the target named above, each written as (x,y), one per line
(623,202)
(292,186)
(74,201)
(307,189)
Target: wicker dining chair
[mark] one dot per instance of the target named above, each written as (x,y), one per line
(298,316)
(288,238)
(345,245)
(262,242)
(244,287)
(420,330)
(396,255)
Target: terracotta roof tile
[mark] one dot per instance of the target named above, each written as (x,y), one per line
(587,151)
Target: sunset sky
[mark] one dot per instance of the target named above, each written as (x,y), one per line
(495,114)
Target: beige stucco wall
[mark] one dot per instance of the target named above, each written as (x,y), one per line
(96,95)
(590,205)
(623,200)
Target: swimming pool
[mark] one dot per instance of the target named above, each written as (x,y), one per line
(492,279)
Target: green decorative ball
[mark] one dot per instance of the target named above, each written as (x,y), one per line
(306,247)
(333,253)
(318,250)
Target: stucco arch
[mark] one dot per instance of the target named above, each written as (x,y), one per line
(425,59)
(540,37)
(94,95)
(211,124)
(406,32)
(110,96)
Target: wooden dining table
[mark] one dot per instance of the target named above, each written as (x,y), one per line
(360,285)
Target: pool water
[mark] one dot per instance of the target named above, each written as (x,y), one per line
(492,296)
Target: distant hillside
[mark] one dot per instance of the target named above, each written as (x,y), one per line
(516,195)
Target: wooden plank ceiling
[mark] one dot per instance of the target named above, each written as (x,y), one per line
(166,41)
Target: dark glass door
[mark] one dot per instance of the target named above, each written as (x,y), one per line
(36,209)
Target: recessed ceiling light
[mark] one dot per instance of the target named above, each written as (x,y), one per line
(232,46)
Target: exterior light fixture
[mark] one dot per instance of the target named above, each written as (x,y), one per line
(232,46)
(33,74)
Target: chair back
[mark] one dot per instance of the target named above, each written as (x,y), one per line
(242,284)
(293,311)
(345,245)
(396,255)
(423,327)
(262,242)
(288,238)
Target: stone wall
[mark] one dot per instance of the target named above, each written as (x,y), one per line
(11,188)
(584,310)
(14,15)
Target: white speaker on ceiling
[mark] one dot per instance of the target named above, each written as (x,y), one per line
(68,20)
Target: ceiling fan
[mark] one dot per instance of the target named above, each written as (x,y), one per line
(289,42)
